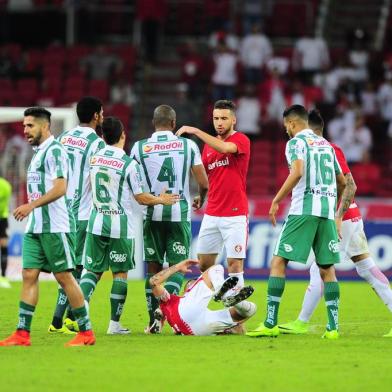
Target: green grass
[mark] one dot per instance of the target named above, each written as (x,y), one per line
(359,361)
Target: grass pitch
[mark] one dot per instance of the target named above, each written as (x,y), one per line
(359,361)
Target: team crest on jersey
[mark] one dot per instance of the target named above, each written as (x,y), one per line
(176,145)
(113,163)
(333,246)
(74,142)
(238,248)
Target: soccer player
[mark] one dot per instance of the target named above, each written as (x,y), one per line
(166,162)
(189,314)
(49,235)
(316,182)
(225,223)
(110,241)
(80,143)
(5,196)
(353,246)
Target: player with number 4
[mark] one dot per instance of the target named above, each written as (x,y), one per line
(166,162)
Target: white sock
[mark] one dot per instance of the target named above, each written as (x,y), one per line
(368,270)
(313,294)
(240,284)
(217,276)
(246,309)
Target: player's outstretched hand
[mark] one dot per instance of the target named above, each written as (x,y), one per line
(187,129)
(186,265)
(272,212)
(168,199)
(22,211)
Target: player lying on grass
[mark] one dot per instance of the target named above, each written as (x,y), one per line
(189,314)
(353,246)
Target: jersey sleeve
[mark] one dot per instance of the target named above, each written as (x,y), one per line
(134,153)
(341,159)
(195,154)
(337,167)
(242,142)
(134,178)
(97,145)
(295,149)
(57,163)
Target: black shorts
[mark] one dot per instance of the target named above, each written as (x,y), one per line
(3,227)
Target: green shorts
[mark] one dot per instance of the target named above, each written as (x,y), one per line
(80,240)
(102,253)
(49,252)
(300,233)
(172,239)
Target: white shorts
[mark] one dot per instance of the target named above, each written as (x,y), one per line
(193,310)
(354,241)
(217,231)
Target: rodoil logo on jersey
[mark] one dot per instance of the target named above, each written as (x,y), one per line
(222,162)
(113,163)
(75,142)
(163,146)
(117,257)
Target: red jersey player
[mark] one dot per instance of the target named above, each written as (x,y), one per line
(353,246)
(189,314)
(225,223)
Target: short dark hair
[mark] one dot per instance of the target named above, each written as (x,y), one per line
(315,120)
(163,116)
(38,112)
(225,104)
(112,129)
(296,111)
(87,107)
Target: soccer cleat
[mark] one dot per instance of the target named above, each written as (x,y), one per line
(83,338)
(240,296)
(388,335)
(19,338)
(228,284)
(4,283)
(331,335)
(263,331)
(296,327)
(115,328)
(64,330)
(72,325)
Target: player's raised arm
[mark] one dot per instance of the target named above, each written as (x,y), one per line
(158,279)
(215,143)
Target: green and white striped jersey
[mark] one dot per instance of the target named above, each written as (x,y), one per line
(115,178)
(50,161)
(81,144)
(165,161)
(316,192)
